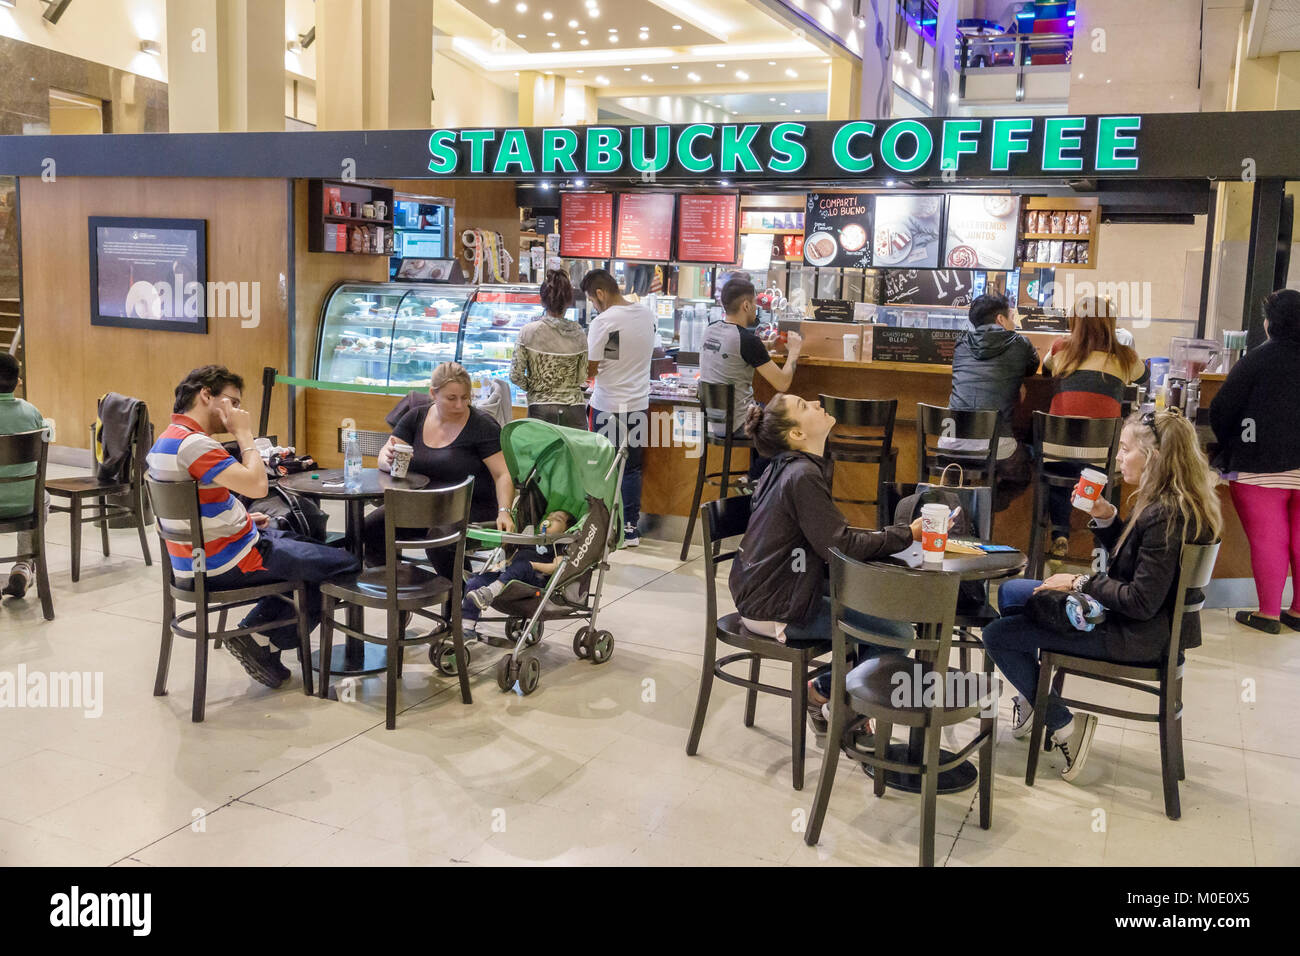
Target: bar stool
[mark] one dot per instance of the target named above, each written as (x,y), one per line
(977,427)
(861,447)
(718,403)
(1077,443)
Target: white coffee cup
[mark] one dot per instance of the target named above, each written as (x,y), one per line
(852,346)
(401,460)
(934,532)
(1090,487)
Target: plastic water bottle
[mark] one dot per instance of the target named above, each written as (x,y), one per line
(351,461)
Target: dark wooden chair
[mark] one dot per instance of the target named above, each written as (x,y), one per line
(402,587)
(176,506)
(978,427)
(863,434)
(1163,679)
(927,599)
(718,404)
(28,450)
(88,497)
(1072,443)
(977,503)
(728,518)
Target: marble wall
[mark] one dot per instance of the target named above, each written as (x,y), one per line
(133,103)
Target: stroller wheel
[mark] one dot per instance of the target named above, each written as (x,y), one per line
(602,647)
(442,655)
(507,672)
(530,672)
(581,646)
(515,628)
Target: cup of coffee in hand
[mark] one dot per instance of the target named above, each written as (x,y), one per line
(1088,489)
(402,453)
(934,531)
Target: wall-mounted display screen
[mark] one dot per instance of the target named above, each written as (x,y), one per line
(645,227)
(707,227)
(152,274)
(586,225)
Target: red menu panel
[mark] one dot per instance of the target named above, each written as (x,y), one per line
(706,227)
(586,225)
(645,226)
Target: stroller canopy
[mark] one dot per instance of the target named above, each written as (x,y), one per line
(571,464)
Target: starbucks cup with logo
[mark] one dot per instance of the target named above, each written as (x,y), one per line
(1088,489)
(852,346)
(401,460)
(934,532)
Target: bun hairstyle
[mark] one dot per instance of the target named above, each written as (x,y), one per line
(769,427)
(449,372)
(1177,475)
(556,292)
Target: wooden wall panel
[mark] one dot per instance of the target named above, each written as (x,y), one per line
(70,363)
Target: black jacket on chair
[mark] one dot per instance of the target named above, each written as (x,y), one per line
(780,571)
(1261,388)
(1139,588)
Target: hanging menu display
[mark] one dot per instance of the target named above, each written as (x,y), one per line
(707,227)
(915,346)
(907,231)
(981,232)
(586,225)
(837,230)
(929,286)
(645,227)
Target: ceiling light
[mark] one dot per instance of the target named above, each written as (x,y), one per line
(890,182)
(791,73)
(603,80)
(782,103)
(593,12)
(644,29)
(925,74)
(952,97)
(582,71)
(643,36)
(582,33)
(742,75)
(724,182)
(627,69)
(572,24)
(826,61)
(1080,76)
(548,15)
(693,77)
(798,111)
(613,38)
(591,3)
(543,185)
(494,1)
(550,34)
(584,42)
(521,36)
(555,45)
(521,7)
(677,26)
(771,99)
(579,183)
(676,67)
(151,47)
(771,62)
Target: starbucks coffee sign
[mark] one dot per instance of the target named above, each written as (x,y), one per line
(866,149)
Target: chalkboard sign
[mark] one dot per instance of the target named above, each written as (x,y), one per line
(918,346)
(837,231)
(832,310)
(929,286)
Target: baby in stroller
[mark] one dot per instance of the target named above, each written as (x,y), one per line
(532,565)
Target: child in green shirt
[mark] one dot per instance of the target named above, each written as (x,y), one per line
(16,416)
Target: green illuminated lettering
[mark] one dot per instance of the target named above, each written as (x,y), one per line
(1061,133)
(558,147)
(788,151)
(478,140)
(1009,136)
(738,144)
(514,151)
(442,151)
(663,152)
(686,151)
(844,157)
(604,149)
(955,142)
(920,156)
(1110,141)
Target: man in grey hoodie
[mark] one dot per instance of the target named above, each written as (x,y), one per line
(990,363)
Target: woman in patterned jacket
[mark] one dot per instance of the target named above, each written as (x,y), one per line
(550,361)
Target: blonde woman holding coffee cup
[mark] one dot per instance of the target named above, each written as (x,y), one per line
(1175,501)
(448,441)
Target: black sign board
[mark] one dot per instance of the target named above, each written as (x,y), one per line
(929,286)
(837,231)
(832,310)
(918,346)
(1044,323)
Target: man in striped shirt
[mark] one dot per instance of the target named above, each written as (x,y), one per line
(240,550)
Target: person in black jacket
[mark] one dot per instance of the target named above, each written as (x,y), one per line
(1175,502)
(778,579)
(1256,421)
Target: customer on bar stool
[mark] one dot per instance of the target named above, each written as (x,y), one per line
(621,340)
(550,360)
(452,440)
(1092,369)
(240,550)
(17,415)
(779,577)
(1256,421)
(1175,501)
(731,352)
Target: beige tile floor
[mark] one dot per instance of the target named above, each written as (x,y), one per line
(589,769)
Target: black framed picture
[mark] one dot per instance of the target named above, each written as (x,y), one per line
(149,273)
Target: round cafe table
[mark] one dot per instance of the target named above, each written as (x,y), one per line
(353,657)
(972,567)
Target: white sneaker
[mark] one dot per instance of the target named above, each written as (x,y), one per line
(1075,741)
(631,536)
(1022,718)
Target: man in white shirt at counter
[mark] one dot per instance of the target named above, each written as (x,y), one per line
(621,340)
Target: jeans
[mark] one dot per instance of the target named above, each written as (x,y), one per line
(635,427)
(818,628)
(27,539)
(287,557)
(1060,500)
(520,569)
(1013,641)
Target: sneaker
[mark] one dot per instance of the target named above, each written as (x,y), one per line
(631,536)
(483,597)
(1060,547)
(1022,718)
(818,715)
(1251,619)
(277,667)
(1074,741)
(19,580)
(255,659)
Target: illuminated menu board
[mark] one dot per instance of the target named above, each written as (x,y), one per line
(586,225)
(707,227)
(645,226)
